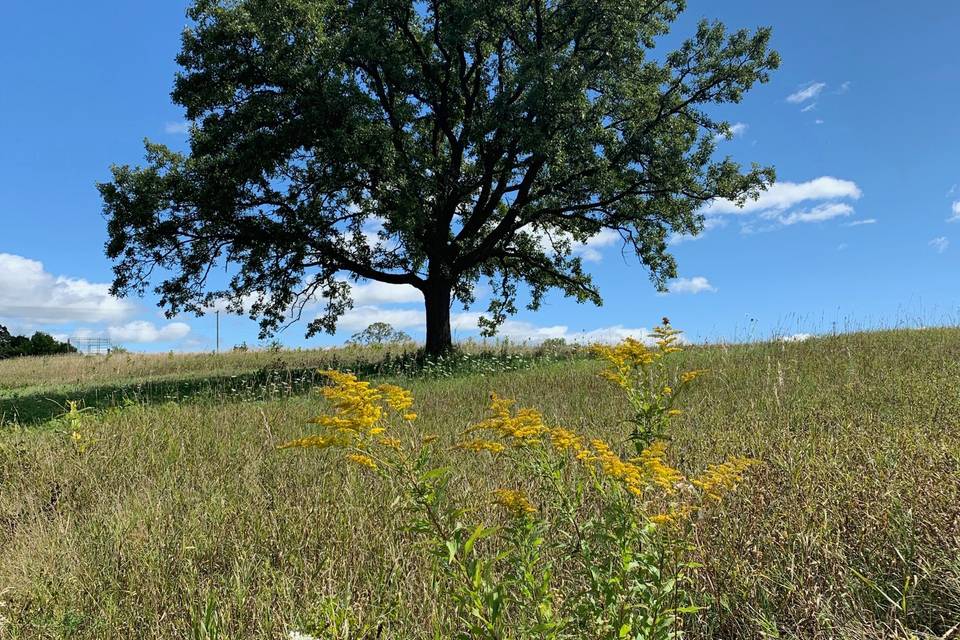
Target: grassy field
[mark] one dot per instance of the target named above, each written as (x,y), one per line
(183,520)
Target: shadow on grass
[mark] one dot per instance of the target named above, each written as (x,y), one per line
(36,407)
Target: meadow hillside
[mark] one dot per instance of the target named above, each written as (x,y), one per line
(178,517)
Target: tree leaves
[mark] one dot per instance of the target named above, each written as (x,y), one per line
(428,144)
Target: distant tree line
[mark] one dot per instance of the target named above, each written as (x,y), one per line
(39,344)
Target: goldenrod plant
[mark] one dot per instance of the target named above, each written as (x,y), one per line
(587,543)
(74,419)
(645,375)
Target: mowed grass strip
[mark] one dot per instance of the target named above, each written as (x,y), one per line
(182,520)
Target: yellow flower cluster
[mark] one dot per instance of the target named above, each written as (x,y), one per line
(358,420)
(639,473)
(660,473)
(521,428)
(566,440)
(513,501)
(480,444)
(690,376)
(361,459)
(721,478)
(623,359)
(398,399)
(667,338)
(525,428)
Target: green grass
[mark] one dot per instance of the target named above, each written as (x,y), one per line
(184,521)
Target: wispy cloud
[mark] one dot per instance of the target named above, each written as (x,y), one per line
(820,213)
(784,195)
(844,87)
(141,331)
(955,210)
(939,244)
(808,92)
(709,224)
(809,107)
(857,223)
(177,128)
(521,331)
(736,130)
(697,284)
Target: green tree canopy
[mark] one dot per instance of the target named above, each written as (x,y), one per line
(380,333)
(40,344)
(428,143)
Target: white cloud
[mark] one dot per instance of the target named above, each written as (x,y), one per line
(737,129)
(818,121)
(467,322)
(940,244)
(857,223)
(374,293)
(590,250)
(527,332)
(361,317)
(784,195)
(177,128)
(845,87)
(955,210)
(709,224)
(809,107)
(141,331)
(30,294)
(797,337)
(808,92)
(820,213)
(697,284)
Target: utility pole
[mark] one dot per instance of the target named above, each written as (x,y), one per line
(218,331)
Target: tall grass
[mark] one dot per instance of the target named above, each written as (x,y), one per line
(183,520)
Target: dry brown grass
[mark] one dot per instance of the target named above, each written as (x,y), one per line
(183,521)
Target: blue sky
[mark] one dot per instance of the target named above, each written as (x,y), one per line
(861,123)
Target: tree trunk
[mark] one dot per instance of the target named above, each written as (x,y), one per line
(437,300)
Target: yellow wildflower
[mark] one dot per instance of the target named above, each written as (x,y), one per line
(356,405)
(661,474)
(613,466)
(639,473)
(482,445)
(362,460)
(674,412)
(720,478)
(667,337)
(397,398)
(674,516)
(314,441)
(690,376)
(524,427)
(564,439)
(390,442)
(513,501)
(429,438)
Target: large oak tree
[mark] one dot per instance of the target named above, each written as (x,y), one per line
(428,143)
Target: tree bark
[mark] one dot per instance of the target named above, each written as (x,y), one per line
(436,297)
